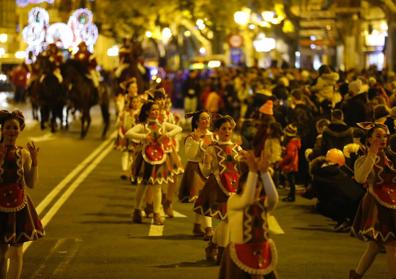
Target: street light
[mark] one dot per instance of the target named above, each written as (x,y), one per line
(200,24)
(242,17)
(166,35)
(20,54)
(3,38)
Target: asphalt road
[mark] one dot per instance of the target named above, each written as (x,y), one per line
(87,210)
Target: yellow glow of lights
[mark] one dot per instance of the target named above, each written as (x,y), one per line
(288,26)
(187,33)
(214,64)
(264,44)
(202,50)
(265,24)
(383,26)
(2,51)
(197,66)
(149,34)
(242,17)
(166,34)
(252,26)
(268,16)
(113,51)
(20,54)
(3,38)
(200,24)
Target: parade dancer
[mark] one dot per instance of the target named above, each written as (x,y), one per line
(18,217)
(150,168)
(172,149)
(129,91)
(173,159)
(375,220)
(126,120)
(193,180)
(251,253)
(221,165)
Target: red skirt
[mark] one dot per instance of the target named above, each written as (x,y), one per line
(21,226)
(149,174)
(374,221)
(229,270)
(191,183)
(212,201)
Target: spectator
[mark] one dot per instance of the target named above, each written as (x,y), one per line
(337,134)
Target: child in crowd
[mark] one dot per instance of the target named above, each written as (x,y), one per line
(289,163)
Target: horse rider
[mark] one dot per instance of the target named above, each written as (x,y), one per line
(54,57)
(87,63)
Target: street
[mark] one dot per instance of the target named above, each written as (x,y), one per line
(86,209)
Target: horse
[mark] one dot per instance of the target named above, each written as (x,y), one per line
(49,95)
(33,93)
(83,95)
(130,67)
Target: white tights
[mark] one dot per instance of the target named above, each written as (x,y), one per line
(141,191)
(126,161)
(206,222)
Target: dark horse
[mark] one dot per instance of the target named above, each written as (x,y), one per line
(47,94)
(130,67)
(82,96)
(51,100)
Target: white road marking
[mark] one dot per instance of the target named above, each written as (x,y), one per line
(66,195)
(70,255)
(37,273)
(88,168)
(48,199)
(178,214)
(156,230)
(45,137)
(274,226)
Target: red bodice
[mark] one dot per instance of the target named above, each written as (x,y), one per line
(227,155)
(154,151)
(12,194)
(384,188)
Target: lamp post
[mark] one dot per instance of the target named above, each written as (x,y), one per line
(242,18)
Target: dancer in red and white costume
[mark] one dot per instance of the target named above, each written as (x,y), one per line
(18,218)
(150,168)
(375,220)
(195,146)
(251,253)
(126,120)
(221,165)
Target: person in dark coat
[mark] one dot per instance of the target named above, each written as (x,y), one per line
(337,192)
(191,89)
(355,106)
(337,134)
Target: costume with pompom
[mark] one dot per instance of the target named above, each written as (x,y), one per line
(222,181)
(150,166)
(19,219)
(376,217)
(193,178)
(251,252)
